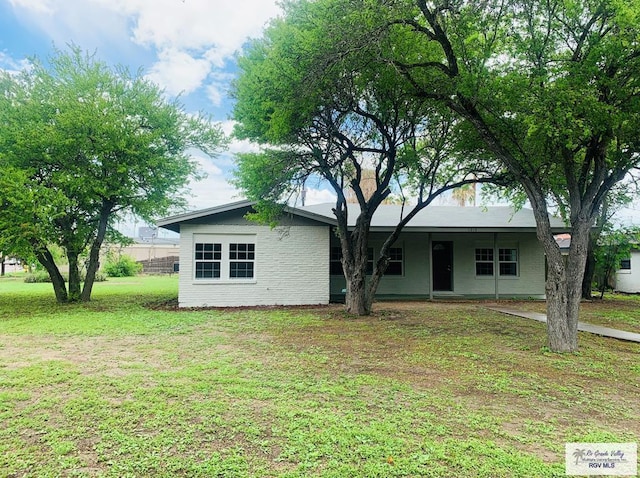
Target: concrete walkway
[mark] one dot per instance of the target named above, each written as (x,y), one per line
(592,329)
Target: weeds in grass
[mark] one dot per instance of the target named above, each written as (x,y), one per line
(113,388)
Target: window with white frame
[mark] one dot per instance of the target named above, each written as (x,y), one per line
(484,261)
(220,257)
(208,257)
(241,260)
(396,261)
(507,261)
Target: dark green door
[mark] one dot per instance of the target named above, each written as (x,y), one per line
(442,257)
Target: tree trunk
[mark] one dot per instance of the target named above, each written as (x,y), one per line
(356,300)
(46,259)
(2,269)
(564,288)
(562,319)
(74,276)
(94,254)
(564,276)
(354,264)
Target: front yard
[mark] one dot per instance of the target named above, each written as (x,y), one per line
(125,386)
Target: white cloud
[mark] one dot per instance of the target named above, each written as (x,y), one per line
(195,24)
(179,72)
(189,42)
(11,65)
(39,6)
(191,37)
(214,189)
(238,145)
(319,196)
(215,93)
(85,23)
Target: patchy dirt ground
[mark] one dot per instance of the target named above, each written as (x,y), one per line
(473,372)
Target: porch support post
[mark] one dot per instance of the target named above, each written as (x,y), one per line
(496,265)
(430,267)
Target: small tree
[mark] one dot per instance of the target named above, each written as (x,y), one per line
(80,144)
(121,265)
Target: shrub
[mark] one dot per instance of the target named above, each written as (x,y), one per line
(121,266)
(37,277)
(43,276)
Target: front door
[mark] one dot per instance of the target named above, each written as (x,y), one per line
(442,258)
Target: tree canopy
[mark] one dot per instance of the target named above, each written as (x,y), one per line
(551,88)
(82,143)
(548,90)
(325,107)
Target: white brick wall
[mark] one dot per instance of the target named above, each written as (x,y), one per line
(291,268)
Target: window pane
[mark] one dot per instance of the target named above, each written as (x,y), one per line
(369,270)
(395,253)
(335,268)
(242,251)
(207,270)
(394,269)
(241,270)
(508,255)
(484,268)
(335,264)
(395,262)
(208,251)
(207,256)
(508,269)
(336,253)
(625,264)
(484,254)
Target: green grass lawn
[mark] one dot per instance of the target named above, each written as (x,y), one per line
(124,387)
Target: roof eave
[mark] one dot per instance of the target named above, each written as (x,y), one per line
(172,223)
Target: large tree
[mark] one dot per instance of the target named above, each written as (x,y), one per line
(337,114)
(552,90)
(82,143)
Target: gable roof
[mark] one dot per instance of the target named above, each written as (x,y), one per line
(241,207)
(430,219)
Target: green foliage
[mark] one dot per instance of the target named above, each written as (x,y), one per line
(429,390)
(81,143)
(313,91)
(41,276)
(121,265)
(37,277)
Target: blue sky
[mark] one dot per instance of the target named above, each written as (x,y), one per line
(185,46)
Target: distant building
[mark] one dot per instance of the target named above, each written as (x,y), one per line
(156,254)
